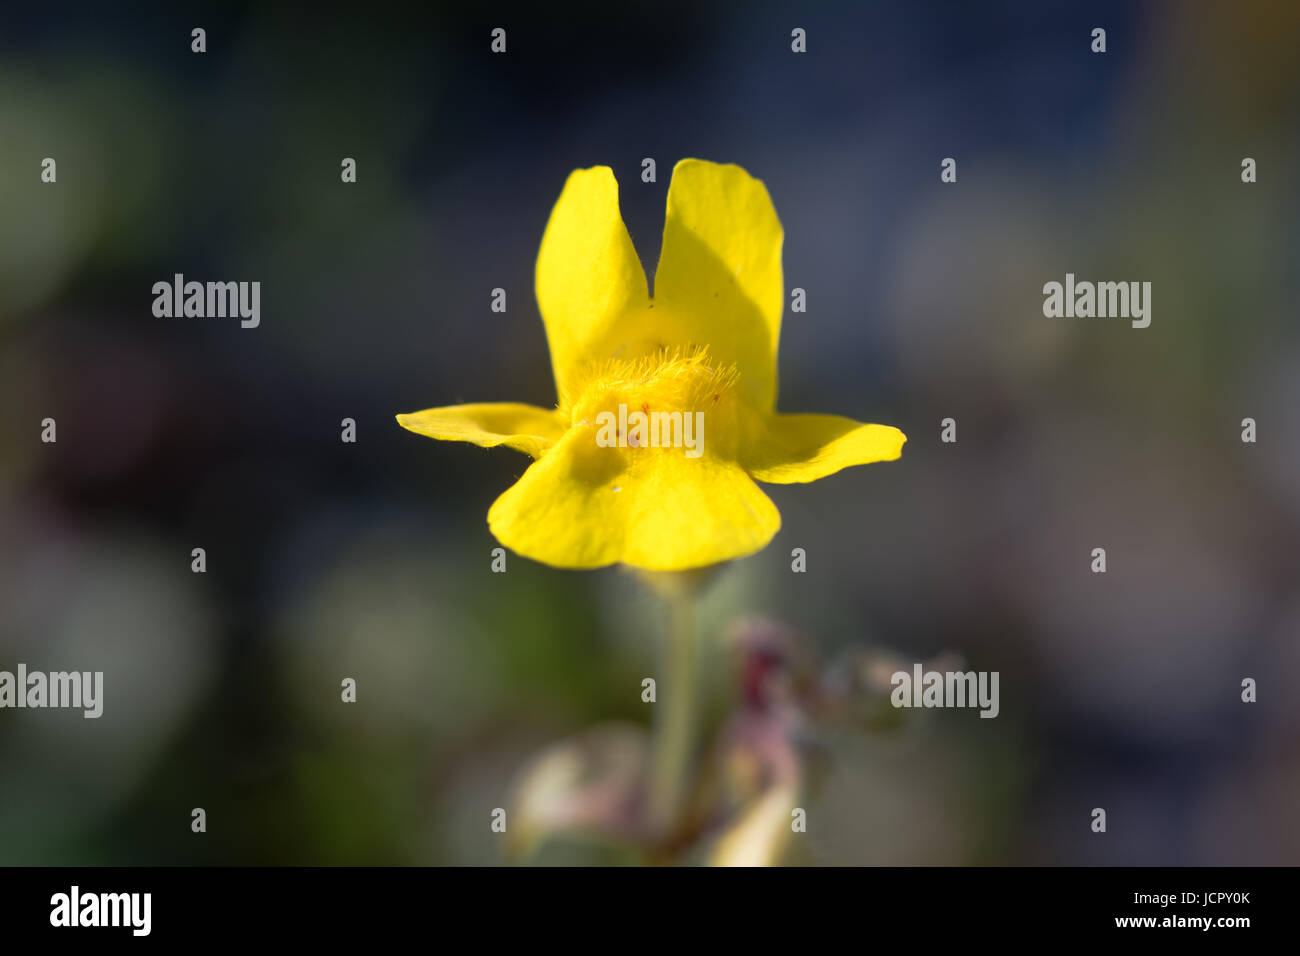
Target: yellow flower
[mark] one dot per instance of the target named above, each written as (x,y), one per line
(602,490)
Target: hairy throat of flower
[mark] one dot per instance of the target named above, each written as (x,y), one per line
(672,399)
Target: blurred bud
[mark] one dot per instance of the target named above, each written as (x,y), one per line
(777,667)
(588,786)
(762,833)
(758,771)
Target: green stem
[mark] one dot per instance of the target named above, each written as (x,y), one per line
(675,715)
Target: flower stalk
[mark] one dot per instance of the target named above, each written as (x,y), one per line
(674,732)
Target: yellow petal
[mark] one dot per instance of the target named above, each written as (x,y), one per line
(586,506)
(719,277)
(525,428)
(797,448)
(588,274)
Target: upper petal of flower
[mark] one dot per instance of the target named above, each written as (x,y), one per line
(799,448)
(588,275)
(525,428)
(719,277)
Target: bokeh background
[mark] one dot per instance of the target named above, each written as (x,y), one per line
(372,560)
